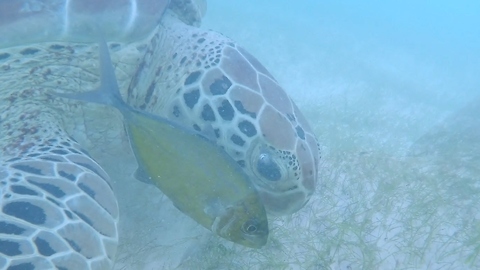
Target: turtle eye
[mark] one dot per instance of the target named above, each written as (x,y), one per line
(250,227)
(268,168)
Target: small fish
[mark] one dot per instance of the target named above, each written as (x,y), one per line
(201,179)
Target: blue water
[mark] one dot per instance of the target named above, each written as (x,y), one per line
(445,34)
(423,52)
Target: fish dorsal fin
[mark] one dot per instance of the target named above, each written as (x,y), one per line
(142,176)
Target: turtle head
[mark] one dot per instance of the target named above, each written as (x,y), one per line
(267,134)
(284,177)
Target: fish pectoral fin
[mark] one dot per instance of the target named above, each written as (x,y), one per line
(210,211)
(222,225)
(213,208)
(215,225)
(142,176)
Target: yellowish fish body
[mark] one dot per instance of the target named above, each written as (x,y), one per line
(200,179)
(197,175)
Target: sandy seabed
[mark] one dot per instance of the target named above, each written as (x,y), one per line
(399,184)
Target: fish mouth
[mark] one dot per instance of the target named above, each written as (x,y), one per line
(255,241)
(228,227)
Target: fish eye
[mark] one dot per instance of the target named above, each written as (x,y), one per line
(250,226)
(268,168)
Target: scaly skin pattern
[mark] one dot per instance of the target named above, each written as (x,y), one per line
(57,206)
(203,79)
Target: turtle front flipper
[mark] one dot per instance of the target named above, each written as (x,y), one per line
(57,207)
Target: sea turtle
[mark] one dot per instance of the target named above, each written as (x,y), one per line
(58,207)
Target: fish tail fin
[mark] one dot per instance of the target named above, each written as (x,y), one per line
(108,92)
